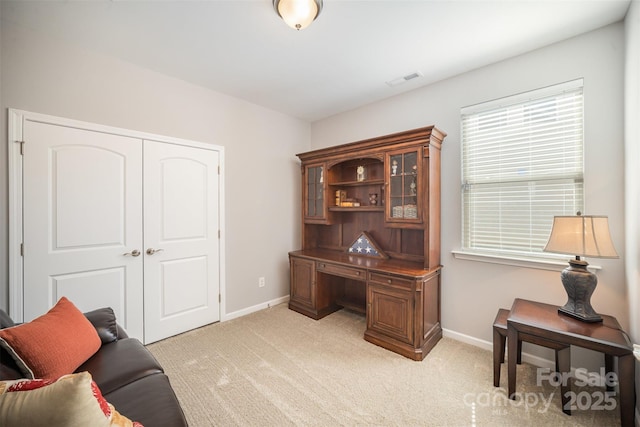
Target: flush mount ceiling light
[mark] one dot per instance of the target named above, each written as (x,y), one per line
(298,14)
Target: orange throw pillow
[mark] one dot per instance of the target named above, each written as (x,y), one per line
(53,344)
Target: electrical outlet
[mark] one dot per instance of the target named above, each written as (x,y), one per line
(261,282)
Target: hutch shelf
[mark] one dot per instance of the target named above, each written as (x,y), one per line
(387,190)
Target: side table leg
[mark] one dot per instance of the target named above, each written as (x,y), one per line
(626,381)
(512,357)
(498,355)
(563,364)
(608,367)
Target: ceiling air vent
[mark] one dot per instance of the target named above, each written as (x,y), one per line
(404,79)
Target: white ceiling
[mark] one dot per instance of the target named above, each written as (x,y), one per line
(342,61)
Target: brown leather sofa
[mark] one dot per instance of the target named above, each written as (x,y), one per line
(128,375)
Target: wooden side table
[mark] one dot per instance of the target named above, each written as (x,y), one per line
(530,321)
(563,351)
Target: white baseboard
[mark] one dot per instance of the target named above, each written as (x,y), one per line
(486,345)
(253,309)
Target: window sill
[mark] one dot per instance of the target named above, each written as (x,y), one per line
(552,264)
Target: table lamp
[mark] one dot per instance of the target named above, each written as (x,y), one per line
(580,236)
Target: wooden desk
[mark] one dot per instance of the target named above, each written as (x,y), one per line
(400,299)
(529,320)
(399,290)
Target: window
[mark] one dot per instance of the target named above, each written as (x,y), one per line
(522,164)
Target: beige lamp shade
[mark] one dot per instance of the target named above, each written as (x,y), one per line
(581,236)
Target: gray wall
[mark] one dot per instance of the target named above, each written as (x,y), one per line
(262,175)
(473,291)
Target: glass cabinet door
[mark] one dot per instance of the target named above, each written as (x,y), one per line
(403,198)
(314,192)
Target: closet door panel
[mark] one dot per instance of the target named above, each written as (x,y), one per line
(183,190)
(181,223)
(82,221)
(179,275)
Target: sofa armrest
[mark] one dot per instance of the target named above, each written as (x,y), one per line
(5,320)
(8,368)
(119,363)
(122,333)
(104,320)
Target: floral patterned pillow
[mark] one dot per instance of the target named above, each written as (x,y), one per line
(71,401)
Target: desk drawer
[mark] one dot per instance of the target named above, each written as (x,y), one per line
(341,270)
(388,280)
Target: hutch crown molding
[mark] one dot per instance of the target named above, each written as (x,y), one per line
(371,237)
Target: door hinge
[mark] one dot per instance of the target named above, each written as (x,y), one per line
(218,234)
(219,298)
(218,169)
(21,147)
(21,249)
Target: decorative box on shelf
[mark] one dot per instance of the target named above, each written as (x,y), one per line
(406,211)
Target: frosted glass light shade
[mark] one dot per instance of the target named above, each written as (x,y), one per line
(298,14)
(581,236)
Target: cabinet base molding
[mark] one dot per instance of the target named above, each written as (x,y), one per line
(314,314)
(402,348)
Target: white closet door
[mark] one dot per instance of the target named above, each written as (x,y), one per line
(181,259)
(82,216)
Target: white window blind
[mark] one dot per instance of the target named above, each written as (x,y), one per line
(522,163)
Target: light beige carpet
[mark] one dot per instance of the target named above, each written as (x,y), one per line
(279,368)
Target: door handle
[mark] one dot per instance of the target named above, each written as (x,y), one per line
(152,251)
(134,252)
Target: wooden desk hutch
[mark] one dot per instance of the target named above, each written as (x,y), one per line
(387,190)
